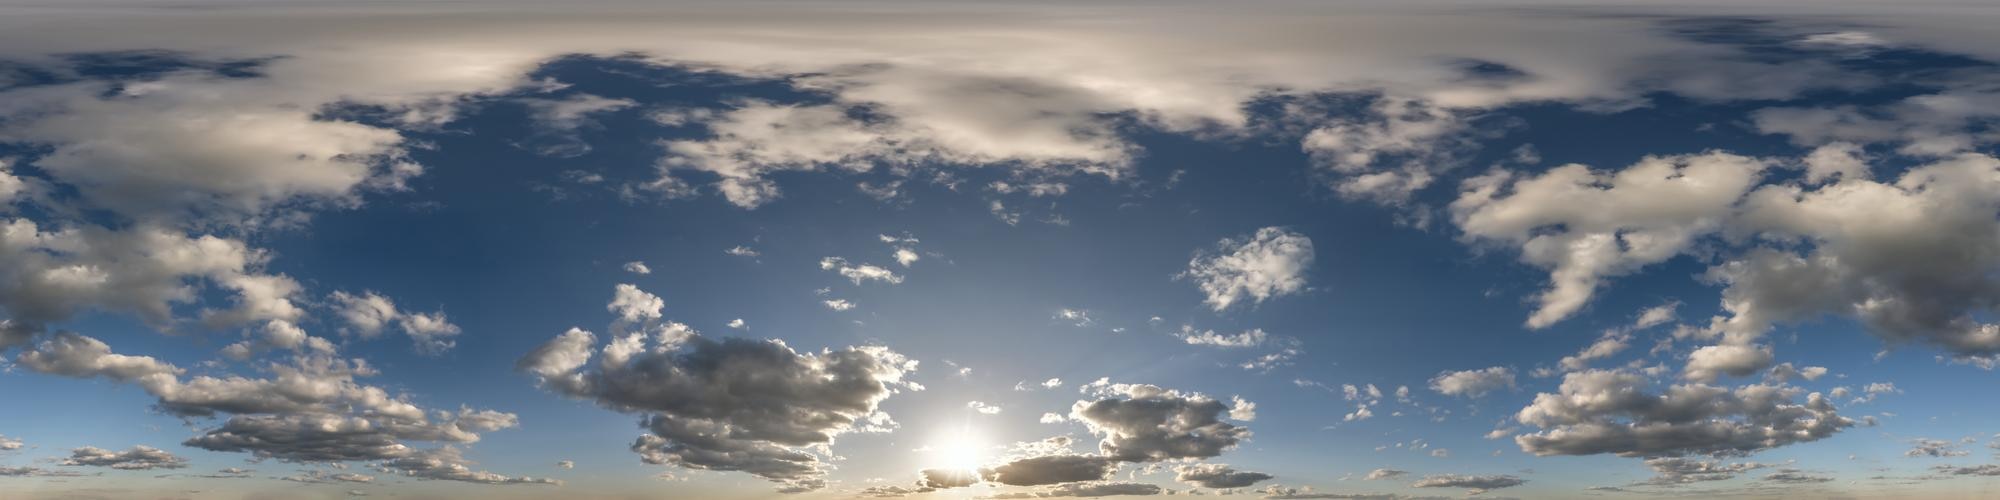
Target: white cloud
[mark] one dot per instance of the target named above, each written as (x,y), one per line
(1585,226)
(1269,264)
(1712,362)
(858,273)
(637,267)
(1248,338)
(367,315)
(1473,383)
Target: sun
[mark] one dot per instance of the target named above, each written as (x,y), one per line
(963,449)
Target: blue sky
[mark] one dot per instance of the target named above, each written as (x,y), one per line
(997,250)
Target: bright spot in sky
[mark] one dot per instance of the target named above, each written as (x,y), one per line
(962,448)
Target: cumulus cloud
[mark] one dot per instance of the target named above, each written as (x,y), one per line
(135,458)
(1144,423)
(370,313)
(1268,264)
(55,272)
(1585,225)
(1612,411)
(1217,476)
(1909,259)
(1712,362)
(1384,474)
(1051,469)
(310,409)
(1473,383)
(782,403)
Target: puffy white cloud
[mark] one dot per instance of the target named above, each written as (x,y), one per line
(1268,264)
(837,304)
(55,273)
(859,272)
(1600,411)
(632,305)
(71,355)
(370,313)
(135,458)
(983,408)
(9,444)
(1242,410)
(1910,259)
(782,402)
(1712,362)
(1585,226)
(1473,383)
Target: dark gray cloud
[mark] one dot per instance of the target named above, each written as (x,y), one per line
(780,401)
(310,410)
(1149,424)
(1669,471)
(134,458)
(1795,476)
(945,478)
(1605,411)
(1217,476)
(1969,470)
(1052,469)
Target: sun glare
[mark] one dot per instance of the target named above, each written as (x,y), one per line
(960,449)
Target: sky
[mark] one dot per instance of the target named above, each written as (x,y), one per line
(999,249)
